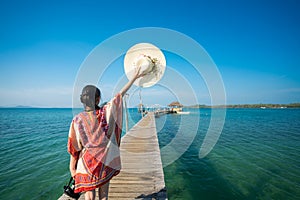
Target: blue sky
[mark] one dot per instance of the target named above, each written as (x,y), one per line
(255,45)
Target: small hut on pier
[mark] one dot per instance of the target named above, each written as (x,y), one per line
(175,107)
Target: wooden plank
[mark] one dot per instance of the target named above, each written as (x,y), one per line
(142,174)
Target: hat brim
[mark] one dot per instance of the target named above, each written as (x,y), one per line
(149,50)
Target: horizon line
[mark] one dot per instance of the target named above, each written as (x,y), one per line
(203,105)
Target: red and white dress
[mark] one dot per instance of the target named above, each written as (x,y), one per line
(97,152)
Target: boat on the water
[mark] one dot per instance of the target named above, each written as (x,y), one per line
(182,112)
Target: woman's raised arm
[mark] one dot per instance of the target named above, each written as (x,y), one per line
(137,75)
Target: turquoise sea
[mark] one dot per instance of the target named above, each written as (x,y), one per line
(256,157)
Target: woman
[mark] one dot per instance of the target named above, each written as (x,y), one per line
(94,140)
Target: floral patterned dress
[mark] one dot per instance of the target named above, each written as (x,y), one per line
(97,151)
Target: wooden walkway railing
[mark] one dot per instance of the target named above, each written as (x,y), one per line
(142,174)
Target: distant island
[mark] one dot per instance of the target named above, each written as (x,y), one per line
(263,106)
(20,106)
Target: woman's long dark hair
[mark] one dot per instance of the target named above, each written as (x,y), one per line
(89,95)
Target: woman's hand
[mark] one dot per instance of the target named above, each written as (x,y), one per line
(72,166)
(144,60)
(138,74)
(73,172)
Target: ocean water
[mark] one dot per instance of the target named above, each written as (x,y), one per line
(256,157)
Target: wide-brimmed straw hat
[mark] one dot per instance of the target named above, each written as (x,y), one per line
(151,60)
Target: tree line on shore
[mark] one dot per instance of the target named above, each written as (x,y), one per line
(291,105)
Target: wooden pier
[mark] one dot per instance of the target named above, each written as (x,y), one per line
(142,174)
